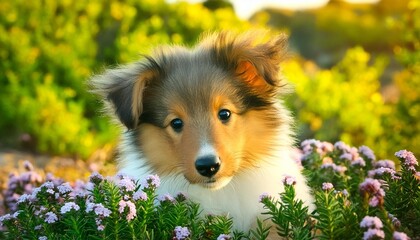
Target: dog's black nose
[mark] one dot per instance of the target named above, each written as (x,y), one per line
(208,165)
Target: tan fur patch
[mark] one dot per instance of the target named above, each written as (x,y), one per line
(248,73)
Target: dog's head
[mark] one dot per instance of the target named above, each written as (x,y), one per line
(206,113)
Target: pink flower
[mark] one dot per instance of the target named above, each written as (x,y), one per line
(373,233)
(289,180)
(68,207)
(132,212)
(400,236)
(326,186)
(417,175)
(51,217)
(371,222)
(372,188)
(410,160)
(181,233)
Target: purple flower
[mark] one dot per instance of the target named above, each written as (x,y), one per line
(346,156)
(51,191)
(65,188)
(98,208)
(101,227)
(289,180)
(181,233)
(367,152)
(68,207)
(151,181)
(5,218)
(167,198)
(223,237)
(42,238)
(96,178)
(400,236)
(371,222)
(336,168)
(28,165)
(132,212)
(373,233)
(410,160)
(394,221)
(381,171)
(51,217)
(181,197)
(140,195)
(127,184)
(48,185)
(342,146)
(263,196)
(385,164)
(326,186)
(358,162)
(24,198)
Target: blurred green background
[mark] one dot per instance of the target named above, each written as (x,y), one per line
(355,67)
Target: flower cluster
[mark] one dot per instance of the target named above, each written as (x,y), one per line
(181,233)
(371,189)
(107,206)
(374,228)
(371,198)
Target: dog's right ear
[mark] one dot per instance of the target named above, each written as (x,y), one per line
(122,89)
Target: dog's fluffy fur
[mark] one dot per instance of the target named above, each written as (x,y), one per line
(235,73)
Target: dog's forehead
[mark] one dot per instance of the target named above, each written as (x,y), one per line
(196,79)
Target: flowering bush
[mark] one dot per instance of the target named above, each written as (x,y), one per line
(356,197)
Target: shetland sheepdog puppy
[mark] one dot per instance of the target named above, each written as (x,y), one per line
(208,121)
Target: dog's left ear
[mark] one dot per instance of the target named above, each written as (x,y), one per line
(253,57)
(122,89)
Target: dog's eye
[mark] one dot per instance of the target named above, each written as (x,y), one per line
(177,124)
(224,115)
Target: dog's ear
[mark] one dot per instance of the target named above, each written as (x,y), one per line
(122,89)
(254,57)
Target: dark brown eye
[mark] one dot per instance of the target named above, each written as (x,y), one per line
(177,125)
(224,115)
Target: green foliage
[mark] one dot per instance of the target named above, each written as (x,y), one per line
(48,49)
(289,215)
(122,208)
(343,103)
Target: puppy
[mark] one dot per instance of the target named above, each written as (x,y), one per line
(208,121)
